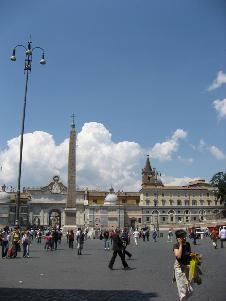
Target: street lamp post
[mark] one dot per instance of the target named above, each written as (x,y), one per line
(27,68)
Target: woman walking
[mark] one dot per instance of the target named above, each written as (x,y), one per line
(182,250)
(26,244)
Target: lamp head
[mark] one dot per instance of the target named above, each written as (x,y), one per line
(13,57)
(43,61)
(29,50)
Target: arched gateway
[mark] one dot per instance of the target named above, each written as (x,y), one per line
(55,218)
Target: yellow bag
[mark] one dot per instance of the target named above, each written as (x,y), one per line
(194,271)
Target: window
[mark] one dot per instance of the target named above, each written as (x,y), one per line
(124,201)
(201,202)
(179,218)
(137,202)
(178,211)
(194,218)
(209,203)
(187,203)
(178,202)
(171,202)
(163,195)
(147,194)
(147,219)
(194,203)
(171,218)
(12,209)
(163,202)
(148,202)
(23,209)
(139,220)
(215,203)
(163,219)
(147,211)
(207,194)
(95,201)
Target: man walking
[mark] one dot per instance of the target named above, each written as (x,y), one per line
(117,250)
(223,236)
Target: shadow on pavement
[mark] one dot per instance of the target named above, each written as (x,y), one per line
(73,294)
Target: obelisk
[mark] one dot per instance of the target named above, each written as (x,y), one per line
(70,210)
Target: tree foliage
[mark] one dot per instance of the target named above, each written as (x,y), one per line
(219,181)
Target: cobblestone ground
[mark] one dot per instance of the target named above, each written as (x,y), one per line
(63,275)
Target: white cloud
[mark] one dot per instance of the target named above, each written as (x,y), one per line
(218,81)
(220,107)
(100,161)
(107,162)
(163,151)
(217,153)
(41,159)
(173,181)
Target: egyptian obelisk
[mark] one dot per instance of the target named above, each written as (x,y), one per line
(70,210)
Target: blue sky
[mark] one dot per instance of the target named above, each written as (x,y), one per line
(142,69)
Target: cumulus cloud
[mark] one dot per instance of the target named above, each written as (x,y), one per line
(220,107)
(41,159)
(173,181)
(218,81)
(100,161)
(164,151)
(217,153)
(107,162)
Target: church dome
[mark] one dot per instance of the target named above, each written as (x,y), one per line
(111,198)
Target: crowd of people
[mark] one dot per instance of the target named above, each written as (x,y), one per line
(186,266)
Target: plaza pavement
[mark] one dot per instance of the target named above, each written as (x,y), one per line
(63,275)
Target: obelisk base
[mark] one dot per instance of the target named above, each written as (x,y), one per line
(70,219)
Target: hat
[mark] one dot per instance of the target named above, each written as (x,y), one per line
(180,233)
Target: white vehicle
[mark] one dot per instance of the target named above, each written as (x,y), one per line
(199,232)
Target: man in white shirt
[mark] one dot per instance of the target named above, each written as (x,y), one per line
(136,235)
(223,235)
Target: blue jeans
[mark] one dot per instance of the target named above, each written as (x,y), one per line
(107,243)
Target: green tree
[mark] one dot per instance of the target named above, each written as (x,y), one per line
(219,181)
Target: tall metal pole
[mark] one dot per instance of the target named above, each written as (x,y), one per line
(27,68)
(21,154)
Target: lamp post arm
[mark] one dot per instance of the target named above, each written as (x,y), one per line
(20,45)
(37,47)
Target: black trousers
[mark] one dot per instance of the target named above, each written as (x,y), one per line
(112,261)
(222,242)
(125,252)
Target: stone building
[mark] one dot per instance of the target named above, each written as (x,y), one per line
(190,204)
